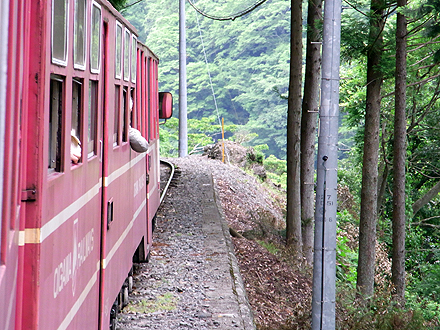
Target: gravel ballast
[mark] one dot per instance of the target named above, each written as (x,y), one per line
(192,280)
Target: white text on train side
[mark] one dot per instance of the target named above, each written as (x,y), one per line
(139,184)
(66,270)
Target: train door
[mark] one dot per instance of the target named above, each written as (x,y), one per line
(144,84)
(12,71)
(153,134)
(62,237)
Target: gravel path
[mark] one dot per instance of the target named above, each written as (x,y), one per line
(192,280)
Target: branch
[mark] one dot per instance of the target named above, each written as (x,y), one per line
(131,4)
(354,7)
(415,84)
(427,109)
(430,42)
(425,199)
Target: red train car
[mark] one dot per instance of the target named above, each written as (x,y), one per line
(77,202)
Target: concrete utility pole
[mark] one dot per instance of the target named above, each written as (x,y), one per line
(324,271)
(183,112)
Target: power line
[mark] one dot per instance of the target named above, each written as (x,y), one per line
(209,72)
(231,17)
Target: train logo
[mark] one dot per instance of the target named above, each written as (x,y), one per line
(68,268)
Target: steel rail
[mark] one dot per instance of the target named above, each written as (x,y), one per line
(171,166)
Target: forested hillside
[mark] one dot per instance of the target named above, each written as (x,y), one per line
(248,60)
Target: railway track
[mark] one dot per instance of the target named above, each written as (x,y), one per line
(167,172)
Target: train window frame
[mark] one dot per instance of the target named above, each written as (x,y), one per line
(133,117)
(118,52)
(56,149)
(133,58)
(77,117)
(125,114)
(81,65)
(55,59)
(92,119)
(127,57)
(117,114)
(95,35)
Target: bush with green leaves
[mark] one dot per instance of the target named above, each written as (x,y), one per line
(201,132)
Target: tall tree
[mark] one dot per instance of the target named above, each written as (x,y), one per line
(399,158)
(293,221)
(308,124)
(368,213)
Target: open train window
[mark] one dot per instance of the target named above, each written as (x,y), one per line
(133,58)
(133,114)
(118,51)
(79,35)
(127,55)
(117,113)
(76,138)
(124,117)
(95,40)
(92,116)
(60,14)
(56,124)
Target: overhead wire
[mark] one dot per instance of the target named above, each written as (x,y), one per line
(209,72)
(210,79)
(227,18)
(220,18)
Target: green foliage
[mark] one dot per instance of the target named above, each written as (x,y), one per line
(166,302)
(200,133)
(276,170)
(272,248)
(119,4)
(248,61)
(379,314)
(346,262)
(429,309)
(275,165)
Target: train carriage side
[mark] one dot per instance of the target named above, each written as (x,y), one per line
(148,103)
(76,200)
(89,212)
(126,178)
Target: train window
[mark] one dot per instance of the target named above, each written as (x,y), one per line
(93,110)
(127,55)
(124,117)
(55,124)
(79,35)
(133,115)
(133,58)
(116,121)
(60,14)
(95,40)
(118,51)
(75,145)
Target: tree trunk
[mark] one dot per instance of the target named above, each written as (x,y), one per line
(308,125)
(368,214)
(293,221)
(399,159)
